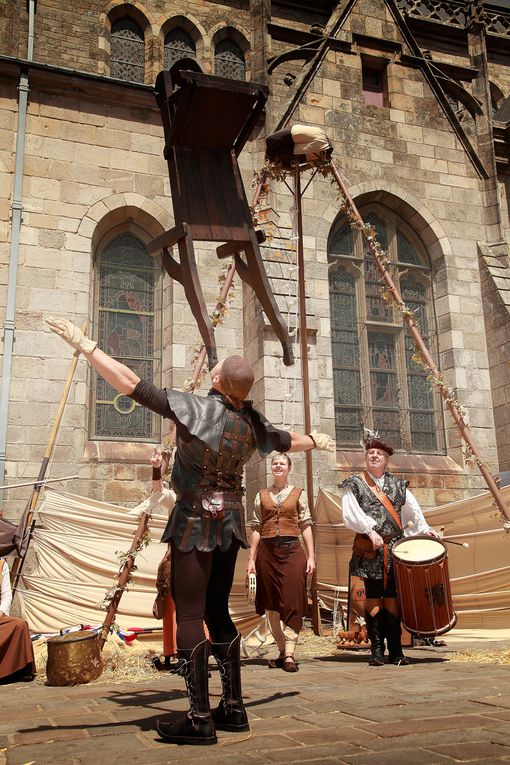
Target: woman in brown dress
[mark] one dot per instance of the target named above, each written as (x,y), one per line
(16,653)
(280,514)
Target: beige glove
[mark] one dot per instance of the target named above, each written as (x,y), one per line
(71,334)
(322,441)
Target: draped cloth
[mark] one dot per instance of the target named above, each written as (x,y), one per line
(76,545)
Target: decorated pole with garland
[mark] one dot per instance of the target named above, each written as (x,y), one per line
(127,566)
(216,318)
(422,356)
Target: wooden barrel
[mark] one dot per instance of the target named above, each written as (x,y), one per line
(73,659)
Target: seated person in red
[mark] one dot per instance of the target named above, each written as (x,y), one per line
(16,653)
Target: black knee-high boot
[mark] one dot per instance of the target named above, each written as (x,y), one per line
(375,629)
(230,714)
(393,631)
(198,726)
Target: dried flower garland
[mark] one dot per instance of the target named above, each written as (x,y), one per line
(124,558)
(219,313)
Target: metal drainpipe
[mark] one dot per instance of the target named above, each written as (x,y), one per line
(16,218)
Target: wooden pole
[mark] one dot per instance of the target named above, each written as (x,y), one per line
(303,340)
(420,344)
(41,481)
(17,566)
(125,571)
(199,363)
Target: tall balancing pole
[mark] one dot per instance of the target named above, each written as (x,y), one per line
(303,341)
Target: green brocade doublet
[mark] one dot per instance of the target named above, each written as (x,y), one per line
(395,490)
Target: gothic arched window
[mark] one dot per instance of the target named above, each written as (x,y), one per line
(127,50)
(125,317)
(229,60)
(178,44)
(376,381)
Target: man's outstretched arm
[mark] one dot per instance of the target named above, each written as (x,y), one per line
(314,440)
(118,375)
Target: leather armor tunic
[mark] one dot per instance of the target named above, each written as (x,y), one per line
(214,442)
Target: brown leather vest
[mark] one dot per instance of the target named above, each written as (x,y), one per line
(279,520)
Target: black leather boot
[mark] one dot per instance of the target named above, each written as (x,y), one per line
(197,728)
(376,635)
(230,714)
(393,631)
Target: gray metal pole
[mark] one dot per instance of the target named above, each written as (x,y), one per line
(16,216)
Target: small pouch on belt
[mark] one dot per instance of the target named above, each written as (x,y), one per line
(212,505)
(362,547)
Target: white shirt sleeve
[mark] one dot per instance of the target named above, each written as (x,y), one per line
(6,592)
(168,499)
(254,514)
(411,511)
(354,517)
(304,514)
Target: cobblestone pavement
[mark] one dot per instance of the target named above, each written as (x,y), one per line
(336,709)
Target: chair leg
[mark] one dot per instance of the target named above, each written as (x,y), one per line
(253,273)
(195,297)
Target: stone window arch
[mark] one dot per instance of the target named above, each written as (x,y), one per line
(127,50)
(376,382)
(178,44)
(229,60)
(127,323)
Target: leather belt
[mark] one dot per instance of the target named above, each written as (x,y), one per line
(194,496)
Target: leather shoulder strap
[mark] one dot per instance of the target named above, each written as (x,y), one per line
(383,499)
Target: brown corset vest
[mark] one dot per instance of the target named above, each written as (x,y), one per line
(279,520)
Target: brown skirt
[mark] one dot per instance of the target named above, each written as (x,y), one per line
(15,646)
(281,582)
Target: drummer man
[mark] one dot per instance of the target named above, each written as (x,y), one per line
(381,510)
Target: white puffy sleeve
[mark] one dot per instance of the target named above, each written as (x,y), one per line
(354,517)
(411,511)
(6,592)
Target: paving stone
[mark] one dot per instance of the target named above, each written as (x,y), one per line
(419,711)
(397,757)
(432,724)
(65,751)
(317,752)
(49,734)
(472,751)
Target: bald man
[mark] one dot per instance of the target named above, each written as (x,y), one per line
(215,437)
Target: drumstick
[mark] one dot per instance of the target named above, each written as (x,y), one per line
(452,542)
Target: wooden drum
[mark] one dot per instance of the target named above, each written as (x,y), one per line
(423,586)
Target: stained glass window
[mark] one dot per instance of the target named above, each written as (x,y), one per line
(229,60)
(178,44)
(377,381)
(126,282)
(127,51)
(344,341)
